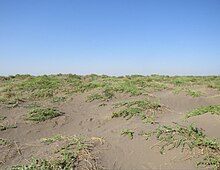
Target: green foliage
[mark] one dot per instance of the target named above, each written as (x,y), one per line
(210,160)
(128,112)
(35,164)
(180,81)
(148,118)
(128,132)
(108,93)
(143,104)
(128,87)
(93,97)
(190,92)
(39,83)
(7,126)
(194,93)
(57,99)
(213,109)
(178,90)
(157,86)
(189,137)
(16,89)
(54,87)
(138,108)
(42,114)
(39,87)
(3,141)
(69,157)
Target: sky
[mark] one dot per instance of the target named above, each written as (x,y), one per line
(113,37)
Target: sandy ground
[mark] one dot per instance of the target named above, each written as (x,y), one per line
(91,120)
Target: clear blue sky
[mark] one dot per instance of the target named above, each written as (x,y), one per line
(115,37)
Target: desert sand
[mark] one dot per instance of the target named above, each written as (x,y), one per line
(93,120)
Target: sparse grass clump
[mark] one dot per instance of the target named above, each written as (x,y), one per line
(57,99)
(42,114)
(194,93)
(189,92)
(138,108)
(4,126)
(128,112)
(210,160)
(128,132)
(143,104)
(213,109)
(75,153)
(93,97)
(189,138)
(52,139)
(35,164)
(151,119)
(108,93)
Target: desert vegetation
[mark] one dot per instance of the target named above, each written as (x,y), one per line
(74,153)
(189,138)
(65,121)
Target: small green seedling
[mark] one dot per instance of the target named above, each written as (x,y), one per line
(128,132)
(3,141)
